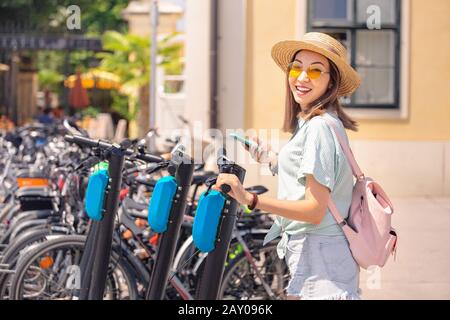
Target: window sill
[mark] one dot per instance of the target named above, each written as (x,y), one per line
(376,114)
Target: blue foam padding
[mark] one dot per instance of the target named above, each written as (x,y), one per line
(161,203)
(207,219)
(95,194)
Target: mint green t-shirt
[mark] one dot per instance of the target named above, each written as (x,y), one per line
(313,149)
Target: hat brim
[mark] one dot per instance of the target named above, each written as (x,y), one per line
(283,53)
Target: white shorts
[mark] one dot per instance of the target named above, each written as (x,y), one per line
(321,267)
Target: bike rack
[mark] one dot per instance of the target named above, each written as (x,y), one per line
(95,259)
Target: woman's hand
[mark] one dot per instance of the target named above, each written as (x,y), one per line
(262,154)
(167,156)
(237,192)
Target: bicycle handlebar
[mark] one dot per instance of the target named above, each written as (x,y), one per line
(225,188)
(87,142)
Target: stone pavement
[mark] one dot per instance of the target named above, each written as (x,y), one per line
(422,266)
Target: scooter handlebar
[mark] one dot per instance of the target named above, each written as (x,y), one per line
(225,188)
(87,142)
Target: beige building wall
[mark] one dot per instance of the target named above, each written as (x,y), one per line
(140,24)
(139,19)
(267,23)
(408,156)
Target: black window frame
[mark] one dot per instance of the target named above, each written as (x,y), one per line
(352,28)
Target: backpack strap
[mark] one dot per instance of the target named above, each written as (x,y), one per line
(335,212)
(353,164)
(346,148)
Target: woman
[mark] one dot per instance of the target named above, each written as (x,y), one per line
(311,168)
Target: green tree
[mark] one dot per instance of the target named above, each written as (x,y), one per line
(129,58)
(49,79)
(49,16)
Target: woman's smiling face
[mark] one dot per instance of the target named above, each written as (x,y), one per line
(304,89)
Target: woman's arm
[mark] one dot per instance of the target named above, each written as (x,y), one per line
(311,210)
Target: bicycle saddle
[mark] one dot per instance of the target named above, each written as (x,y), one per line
(257,189)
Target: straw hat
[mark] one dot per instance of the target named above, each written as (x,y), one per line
(283,53)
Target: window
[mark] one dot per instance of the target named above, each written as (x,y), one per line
(375,54)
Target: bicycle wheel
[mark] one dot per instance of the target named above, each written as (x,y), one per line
(49,271)
(13,252)
(188,264)
(240,281)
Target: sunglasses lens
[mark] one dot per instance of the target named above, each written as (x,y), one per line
(294,73)
(295,70)
(314,73)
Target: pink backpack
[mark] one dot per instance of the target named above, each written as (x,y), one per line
(368,227)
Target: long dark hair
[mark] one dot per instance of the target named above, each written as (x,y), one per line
(328,101)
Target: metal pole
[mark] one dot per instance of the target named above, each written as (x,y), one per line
(87,261)
(154,52)
(100,251)
(211,278)
(214,43)
(167,243)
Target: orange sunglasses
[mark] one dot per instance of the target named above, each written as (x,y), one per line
(295,69)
